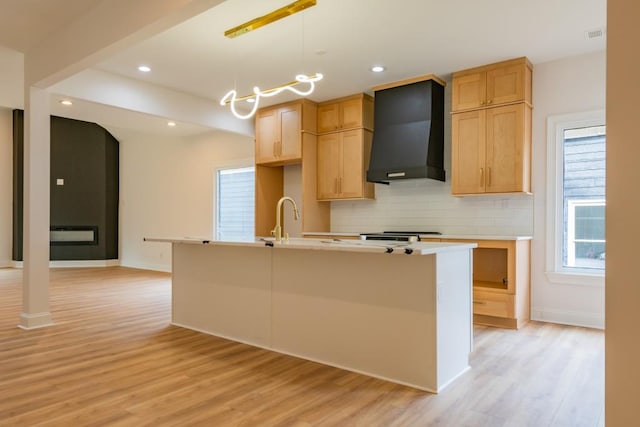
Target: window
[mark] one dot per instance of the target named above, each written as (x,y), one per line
(235,204)
(576,198)
(585,234)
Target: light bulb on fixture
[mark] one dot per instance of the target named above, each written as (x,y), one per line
(231,96)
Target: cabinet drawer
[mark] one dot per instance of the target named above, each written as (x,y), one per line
(493,304)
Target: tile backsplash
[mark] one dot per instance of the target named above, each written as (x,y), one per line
(427,205)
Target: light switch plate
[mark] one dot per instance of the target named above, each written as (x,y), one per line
(60,181)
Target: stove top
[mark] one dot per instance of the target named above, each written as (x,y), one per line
(401,236)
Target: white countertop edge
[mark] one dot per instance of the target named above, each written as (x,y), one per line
(328,233)
(428,236)
(399,248)
(477,237)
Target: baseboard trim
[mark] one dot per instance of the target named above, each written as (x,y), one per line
(498,322)
(74,264)
(566,317)
(153,267)
(85,263)
(35,320)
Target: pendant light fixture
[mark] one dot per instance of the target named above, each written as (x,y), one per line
(301,79)
(270,17)
(231,97)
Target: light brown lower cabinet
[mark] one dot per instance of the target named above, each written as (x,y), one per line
(501,291)
(493,304)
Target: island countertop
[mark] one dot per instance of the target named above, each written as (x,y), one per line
(330,234)
(329,244)
(344,303)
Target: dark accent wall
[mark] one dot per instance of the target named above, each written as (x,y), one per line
(85,156)
(18,183)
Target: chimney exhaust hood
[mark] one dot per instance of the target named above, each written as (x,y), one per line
(408,137)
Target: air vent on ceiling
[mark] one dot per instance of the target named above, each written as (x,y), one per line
(594,34)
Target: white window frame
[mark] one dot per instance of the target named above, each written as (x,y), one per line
(571,227)
(555,271)
(234,164)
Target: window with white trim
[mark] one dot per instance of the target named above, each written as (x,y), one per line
(576,198)
(235,204)
(584,247)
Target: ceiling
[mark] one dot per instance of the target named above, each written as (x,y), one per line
(340,39)
(23,23)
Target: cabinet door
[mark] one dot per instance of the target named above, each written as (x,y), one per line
(329,157)
(493,304)
(351,113)
(352,177)
(505,84)
(468,152)
(266,136)
(290,143)
(469,91)
(328,117)
(505,146)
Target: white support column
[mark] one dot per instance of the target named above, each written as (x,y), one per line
(105,29)
(37,154)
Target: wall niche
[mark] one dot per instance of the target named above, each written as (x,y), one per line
(84,190)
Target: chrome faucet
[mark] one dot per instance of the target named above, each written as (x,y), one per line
(277,232)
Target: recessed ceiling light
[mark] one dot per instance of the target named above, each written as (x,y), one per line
(171,124)
(144,68)
(377,68)
(251,100)
(66,102)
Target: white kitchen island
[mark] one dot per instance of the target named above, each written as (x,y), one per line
(400,313)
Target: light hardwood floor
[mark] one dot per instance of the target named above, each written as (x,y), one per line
(113,359)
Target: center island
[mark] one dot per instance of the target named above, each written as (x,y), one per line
(393,310)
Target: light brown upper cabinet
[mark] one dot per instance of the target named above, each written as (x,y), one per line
(342,163)
(286,158)
(351,112)
(491,153)
(491,85)
(491,145)
(344,148)
(279,132)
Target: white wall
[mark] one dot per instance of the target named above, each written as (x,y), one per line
(166,190)
(564,86)
(6,186)
(11,78)
(427,205)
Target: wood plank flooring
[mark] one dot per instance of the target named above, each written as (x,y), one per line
(113,359)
